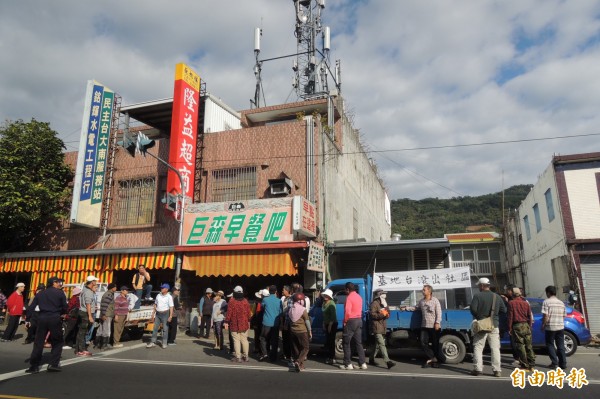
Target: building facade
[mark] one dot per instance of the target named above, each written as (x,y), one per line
(554,237)
(281,169)
(484,255)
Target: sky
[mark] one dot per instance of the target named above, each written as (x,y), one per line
(452,98)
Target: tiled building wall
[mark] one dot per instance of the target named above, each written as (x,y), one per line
(164,230)
(273,150)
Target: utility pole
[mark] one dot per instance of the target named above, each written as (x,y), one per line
(141,146)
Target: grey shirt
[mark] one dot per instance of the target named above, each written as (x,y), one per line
(87,297)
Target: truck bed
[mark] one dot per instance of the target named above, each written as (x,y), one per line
(408,320)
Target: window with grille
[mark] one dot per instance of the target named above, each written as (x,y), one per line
(233,184)
(135,201)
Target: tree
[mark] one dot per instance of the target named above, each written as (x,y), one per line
(34,181)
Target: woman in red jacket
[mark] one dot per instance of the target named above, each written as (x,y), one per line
(14,306)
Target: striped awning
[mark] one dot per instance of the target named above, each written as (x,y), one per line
(265,262)
(96,263)
(74,269)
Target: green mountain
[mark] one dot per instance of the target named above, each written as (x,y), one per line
(433,217)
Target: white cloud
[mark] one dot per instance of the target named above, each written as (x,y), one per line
(416,73)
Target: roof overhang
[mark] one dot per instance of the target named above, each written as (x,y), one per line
(389,246)
(156,114)
(273,114)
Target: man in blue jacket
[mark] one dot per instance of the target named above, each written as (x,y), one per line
(269,335)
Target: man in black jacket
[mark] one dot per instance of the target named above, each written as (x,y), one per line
(53,306)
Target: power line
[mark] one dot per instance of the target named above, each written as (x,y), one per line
(490,143)
(412,148)
(409,149)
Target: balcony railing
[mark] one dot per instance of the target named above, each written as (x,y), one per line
(479,268)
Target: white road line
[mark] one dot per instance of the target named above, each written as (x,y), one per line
(22,373)
(461,377)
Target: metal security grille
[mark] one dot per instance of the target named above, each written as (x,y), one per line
(135,201)
(233,184)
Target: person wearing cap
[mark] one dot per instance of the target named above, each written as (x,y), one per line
(269,334)
(520,323)
(141,285)
(32,316)
(107,313)
(481,307)
(53,305)
(174,321)
(87,308)
(507,297)
(14,306)
(205,307)
(238,321)
(218,315)
(330,324)
(121,311)
(378,315)
(71,319)
(162,314)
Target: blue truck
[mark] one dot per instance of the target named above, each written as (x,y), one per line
(403,327)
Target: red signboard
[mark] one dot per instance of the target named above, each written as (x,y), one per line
(184,130)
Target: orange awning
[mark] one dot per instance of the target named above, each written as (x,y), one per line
(266,262)
(75,268)
(96,263)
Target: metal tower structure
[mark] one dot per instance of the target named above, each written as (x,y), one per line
(311,63)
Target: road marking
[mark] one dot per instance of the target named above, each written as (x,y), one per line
(461,377)
(18,397)
(22,373)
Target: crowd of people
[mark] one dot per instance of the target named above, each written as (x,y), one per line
(281,322)
(269,316)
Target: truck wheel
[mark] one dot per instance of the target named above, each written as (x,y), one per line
(339,346)
(452,349)
(570,344)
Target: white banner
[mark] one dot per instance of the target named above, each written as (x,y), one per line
(439,279)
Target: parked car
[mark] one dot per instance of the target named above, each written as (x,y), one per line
(575,331)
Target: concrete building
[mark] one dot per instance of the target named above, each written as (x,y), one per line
(554,237)
(255,160)
(483,253)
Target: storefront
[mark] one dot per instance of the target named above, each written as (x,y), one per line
(34,268)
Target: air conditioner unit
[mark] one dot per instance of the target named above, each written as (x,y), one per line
(279,188)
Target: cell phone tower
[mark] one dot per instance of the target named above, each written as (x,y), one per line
(312,65)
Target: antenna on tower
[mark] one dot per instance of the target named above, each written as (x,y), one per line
(311,64)
(311,67)
(257,70)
